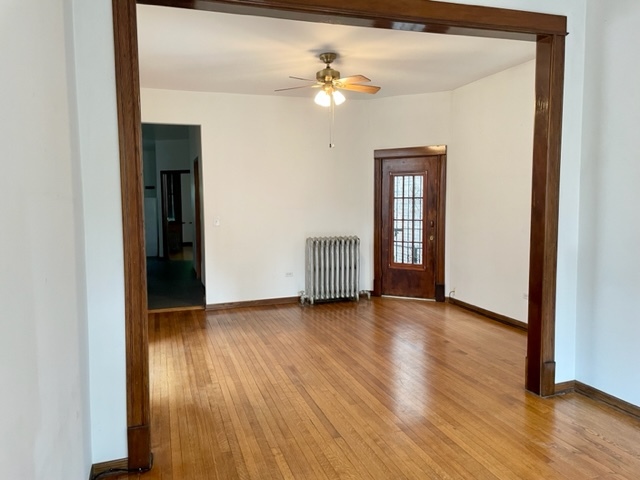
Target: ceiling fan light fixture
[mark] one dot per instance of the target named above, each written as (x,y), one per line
(338,97)
(323,98)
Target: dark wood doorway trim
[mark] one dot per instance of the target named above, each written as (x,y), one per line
(398,153)
(418,15)
(135,277)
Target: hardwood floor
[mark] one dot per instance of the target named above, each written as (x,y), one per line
(382,389)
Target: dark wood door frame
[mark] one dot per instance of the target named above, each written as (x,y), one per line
(398,153)
(548,31)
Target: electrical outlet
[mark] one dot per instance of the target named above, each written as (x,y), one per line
(288,274)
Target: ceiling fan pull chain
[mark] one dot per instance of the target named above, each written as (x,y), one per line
(331,121)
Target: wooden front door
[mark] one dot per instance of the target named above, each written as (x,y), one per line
(410,222)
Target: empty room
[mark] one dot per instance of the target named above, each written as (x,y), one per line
(407,226)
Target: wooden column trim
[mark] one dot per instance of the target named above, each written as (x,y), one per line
(129,127)
(540,374)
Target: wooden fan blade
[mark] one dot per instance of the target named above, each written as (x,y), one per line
(305,79)
(294,88)
(352,79)
(361,88)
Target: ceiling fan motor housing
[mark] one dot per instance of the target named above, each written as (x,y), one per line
(327,75)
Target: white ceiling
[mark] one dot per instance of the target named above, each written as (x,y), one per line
(182,49)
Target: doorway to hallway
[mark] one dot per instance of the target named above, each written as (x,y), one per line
(172,209)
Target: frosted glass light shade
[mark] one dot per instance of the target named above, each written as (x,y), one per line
(324,99)
(338,98)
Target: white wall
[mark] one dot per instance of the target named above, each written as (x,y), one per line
(489,191)
(44,405)
(608,327)
(269,182)
(100,170)
(405,121)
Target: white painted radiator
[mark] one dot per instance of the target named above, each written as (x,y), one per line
(332,269)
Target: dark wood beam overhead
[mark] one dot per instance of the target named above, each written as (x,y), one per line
(415,15)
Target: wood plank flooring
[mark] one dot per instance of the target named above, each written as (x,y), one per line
(381,389)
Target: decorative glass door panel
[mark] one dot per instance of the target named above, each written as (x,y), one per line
(407,241)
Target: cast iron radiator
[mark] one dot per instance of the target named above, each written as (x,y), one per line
(332,269)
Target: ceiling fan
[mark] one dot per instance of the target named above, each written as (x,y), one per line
(329,81)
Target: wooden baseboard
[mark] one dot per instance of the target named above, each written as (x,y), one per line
(610,400)
(598,395)
(565,387)
(492,315)
(252,303)
(98,468)
(176,309)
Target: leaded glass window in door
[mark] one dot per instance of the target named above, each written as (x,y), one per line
(408,223)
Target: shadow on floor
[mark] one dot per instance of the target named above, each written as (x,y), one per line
(172,283)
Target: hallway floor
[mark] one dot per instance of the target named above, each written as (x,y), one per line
(172,283)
